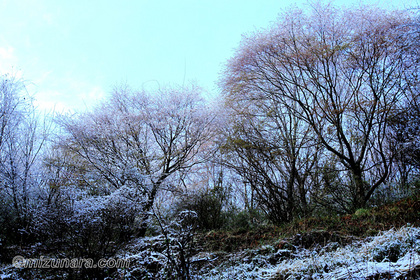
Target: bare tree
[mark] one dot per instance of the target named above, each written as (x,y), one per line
(405,122)
(139,140)
(274,152)
(339,71)
(22,136)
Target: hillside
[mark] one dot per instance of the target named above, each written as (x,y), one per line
(376,243)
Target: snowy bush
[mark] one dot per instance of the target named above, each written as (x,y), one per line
(86,226)
(391,251)
(179,244)
(169,255)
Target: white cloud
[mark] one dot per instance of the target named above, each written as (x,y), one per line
(67,95)
(8,61)
(6,53)
(47,100)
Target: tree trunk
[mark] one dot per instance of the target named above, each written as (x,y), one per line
(144,225)
(359,197)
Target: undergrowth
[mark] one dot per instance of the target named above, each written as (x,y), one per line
(363,223)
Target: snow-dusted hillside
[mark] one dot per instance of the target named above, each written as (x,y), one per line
(389,255)
(392,254)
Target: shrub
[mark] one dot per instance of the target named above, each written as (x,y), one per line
(178,244)
(246,219)
(209,207)
(88,226)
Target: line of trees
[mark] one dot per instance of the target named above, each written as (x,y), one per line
(319,112)
(317,100)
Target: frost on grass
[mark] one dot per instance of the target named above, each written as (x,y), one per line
(247,264)
(166,256)
(392,253)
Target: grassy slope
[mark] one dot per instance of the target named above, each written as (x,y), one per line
(365,222)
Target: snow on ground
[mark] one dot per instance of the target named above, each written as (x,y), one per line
(392,253)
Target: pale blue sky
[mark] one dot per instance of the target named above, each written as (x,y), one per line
(74,52)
